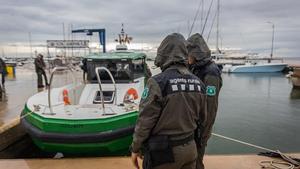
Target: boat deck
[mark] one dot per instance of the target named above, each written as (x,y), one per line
(211,162)
(17,90)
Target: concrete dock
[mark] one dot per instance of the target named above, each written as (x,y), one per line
(211,162)
(17,90)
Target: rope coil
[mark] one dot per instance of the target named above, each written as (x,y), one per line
(272,164)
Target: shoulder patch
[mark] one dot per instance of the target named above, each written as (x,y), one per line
(145,93)
(211,90)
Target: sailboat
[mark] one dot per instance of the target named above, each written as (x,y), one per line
(258,67)
(252,67)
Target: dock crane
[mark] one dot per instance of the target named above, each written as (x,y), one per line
(89,32)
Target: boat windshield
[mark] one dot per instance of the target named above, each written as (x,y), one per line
(120,70)
(138,68)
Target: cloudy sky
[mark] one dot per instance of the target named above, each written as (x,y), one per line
(243,23)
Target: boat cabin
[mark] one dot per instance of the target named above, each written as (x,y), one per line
(124,66)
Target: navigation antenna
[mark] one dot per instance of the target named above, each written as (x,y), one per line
(123,38)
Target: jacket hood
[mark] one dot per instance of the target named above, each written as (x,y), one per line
(198,48)
(172,50)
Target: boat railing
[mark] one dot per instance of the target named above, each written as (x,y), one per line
(85,78)
(100,85)
(54,70)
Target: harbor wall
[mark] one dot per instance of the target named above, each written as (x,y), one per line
(10,133)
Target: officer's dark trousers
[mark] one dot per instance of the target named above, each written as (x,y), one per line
(185,157)
(40,78)
(205,136)
(3,78)
(201,152)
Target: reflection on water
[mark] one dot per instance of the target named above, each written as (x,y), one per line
(295,93)
(256,108)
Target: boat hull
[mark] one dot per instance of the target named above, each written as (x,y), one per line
(264,68)
(118,147)
(103,137)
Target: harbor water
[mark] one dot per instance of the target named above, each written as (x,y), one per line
(261,109)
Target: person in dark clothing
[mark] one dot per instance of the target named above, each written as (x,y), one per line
(40,70)
(3,74)
(147,71)
(3,71)
(84,68)
(172,104)
(201,64)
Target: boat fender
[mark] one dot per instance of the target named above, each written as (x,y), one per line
(131,95)
(66,97)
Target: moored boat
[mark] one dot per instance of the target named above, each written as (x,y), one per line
(258,68)
(96,117)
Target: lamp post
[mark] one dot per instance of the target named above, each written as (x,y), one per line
(272,47)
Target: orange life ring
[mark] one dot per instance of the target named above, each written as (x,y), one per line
(133,93)
(66,97)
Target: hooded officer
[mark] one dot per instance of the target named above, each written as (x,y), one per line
(172,104)
(201,64)
(39,69)
(3,71)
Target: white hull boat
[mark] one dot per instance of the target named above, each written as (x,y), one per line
(258,68)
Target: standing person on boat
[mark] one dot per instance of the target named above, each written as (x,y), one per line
(201,64)
(172,104)
(3,72)
(40,70)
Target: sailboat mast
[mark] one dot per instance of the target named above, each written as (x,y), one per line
(202,13)
(272,48)
(3,55)
(30,44)
(218,20)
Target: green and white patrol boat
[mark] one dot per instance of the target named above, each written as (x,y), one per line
(96,117)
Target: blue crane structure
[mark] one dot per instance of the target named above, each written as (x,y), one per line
(89,32)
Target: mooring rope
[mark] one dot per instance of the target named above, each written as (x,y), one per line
(289,164)
(245,143)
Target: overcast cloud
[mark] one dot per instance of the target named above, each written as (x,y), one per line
(243,23)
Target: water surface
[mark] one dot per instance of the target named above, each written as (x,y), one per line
(261,109)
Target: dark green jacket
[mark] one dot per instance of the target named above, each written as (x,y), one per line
(174,100)
(210,74)
(171,104)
